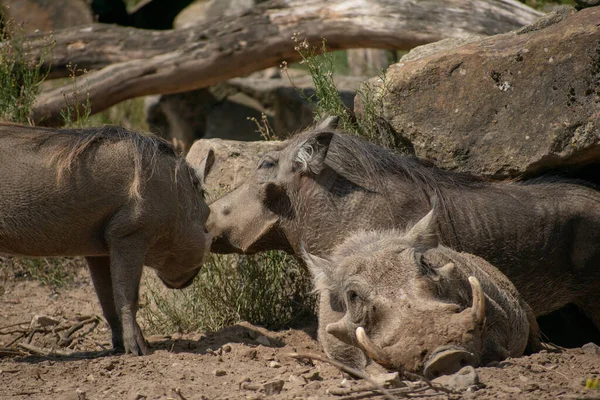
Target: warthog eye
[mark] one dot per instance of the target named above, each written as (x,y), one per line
(352,296)
(266,164)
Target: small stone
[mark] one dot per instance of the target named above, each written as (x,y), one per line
(250,386)
(90,378)
(591,348)
(390,380)
(263,340)
(219,372)
(244,379)
(252,334)
(346,383)
(273,387)
(110,365)
(250,353)
(510,389)
(461,380)
(531,387)
(226,348)
(296,380)
(313,376)
(313,386)
(43,320)
(274,364)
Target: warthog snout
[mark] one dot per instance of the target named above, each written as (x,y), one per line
(183,285)
(448,360)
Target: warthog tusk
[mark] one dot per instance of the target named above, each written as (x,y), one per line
(375,352)
(478,308)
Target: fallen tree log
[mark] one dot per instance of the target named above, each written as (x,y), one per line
(134,63)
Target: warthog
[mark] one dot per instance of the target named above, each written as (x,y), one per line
(413,305)
(119,198)
(544,234)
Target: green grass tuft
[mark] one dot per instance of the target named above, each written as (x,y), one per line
(326,100)
(52,272)
(270,289)
(20,75)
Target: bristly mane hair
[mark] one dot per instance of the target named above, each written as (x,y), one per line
(365,163)
(70,143)
(370,167)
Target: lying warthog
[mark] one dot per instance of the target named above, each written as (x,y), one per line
(543,234)
(119,198)
(412,305)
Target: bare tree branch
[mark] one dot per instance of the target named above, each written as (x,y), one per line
(136,62)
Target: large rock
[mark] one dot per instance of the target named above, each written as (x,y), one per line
(233,162)
(200,10)
(514,104)
(44,15)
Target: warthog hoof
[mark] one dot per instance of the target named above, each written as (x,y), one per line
(135,343)
(448,360)
(117,342)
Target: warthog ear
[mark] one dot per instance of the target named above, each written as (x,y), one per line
(206,164)
(423,236)
(311,154)
(320,269)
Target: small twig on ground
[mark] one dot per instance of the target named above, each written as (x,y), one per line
(16,340)
(66,338)
(63,340)
(430,384)
(412,393)
(36,350)
(9,352)
(30,336)
(549,346)
(342,367)
(17,324)
(178,393)
(551,370)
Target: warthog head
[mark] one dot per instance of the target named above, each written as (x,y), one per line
(180,258)
(394,310)
(262,214)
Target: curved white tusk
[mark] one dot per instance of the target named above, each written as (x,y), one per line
(478,308)
(375,352)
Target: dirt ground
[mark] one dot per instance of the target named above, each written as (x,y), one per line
(239,362)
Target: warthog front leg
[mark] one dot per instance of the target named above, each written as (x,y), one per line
(100,271)
(127,258)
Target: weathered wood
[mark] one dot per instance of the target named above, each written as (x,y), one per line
(136,63)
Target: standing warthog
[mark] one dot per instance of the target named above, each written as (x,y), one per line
(119,198)
(412,305)
(543,234)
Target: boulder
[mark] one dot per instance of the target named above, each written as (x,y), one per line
(233,162)
(44,15)
(200,10)
(511,105)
